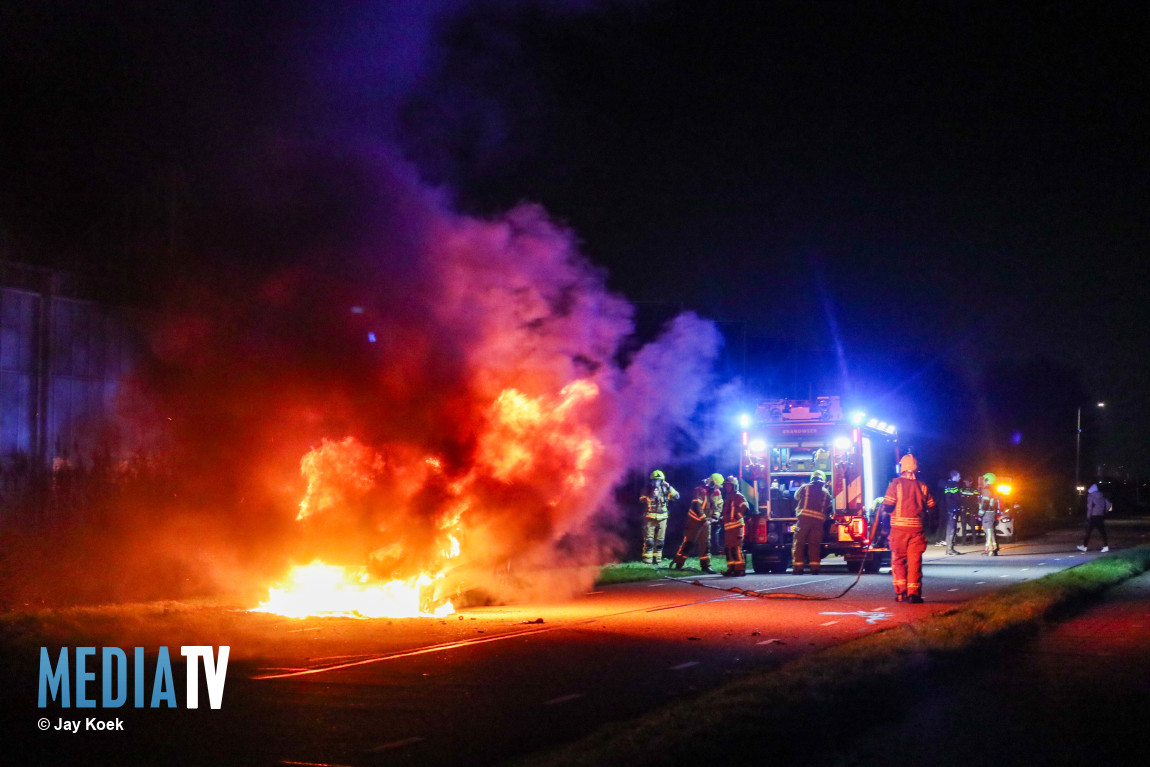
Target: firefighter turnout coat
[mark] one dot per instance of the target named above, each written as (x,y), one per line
(658,494)
(812,505)
(908,501)
(735,508)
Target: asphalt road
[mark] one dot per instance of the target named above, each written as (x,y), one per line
(494,683)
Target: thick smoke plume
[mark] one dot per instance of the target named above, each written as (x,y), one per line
(368,376)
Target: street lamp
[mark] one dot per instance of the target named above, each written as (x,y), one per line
(1078,451)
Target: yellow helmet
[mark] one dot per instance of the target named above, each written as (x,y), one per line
(716,478)
(818,476)
(907,463)
(656,474)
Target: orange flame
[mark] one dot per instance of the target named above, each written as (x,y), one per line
(327,590)
(521,436)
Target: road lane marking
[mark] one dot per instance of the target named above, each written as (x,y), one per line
(563,699)
(682,666)
(952,589)
(871,617)
(979,583)
(770,641)
(395,744)
(463,643)
(828,623)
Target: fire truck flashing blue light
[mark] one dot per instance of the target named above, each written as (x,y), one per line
(758,446)
(371,337)
(745,421)
(857,417)
(890,429)
(873,423)
(842,443)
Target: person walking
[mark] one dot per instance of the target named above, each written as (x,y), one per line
(907,501)
(656,497)
(988,508)
(735,509)
(813,504)
(696,533)
(1097,507)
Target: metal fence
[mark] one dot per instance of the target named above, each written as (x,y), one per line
(63,361)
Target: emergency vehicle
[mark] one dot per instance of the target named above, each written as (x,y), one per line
(783,443)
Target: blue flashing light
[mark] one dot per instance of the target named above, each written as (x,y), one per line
(758,446)
(857,417)
(842,443)
(745,421)
(371,337)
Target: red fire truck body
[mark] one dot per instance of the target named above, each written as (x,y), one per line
(786,441)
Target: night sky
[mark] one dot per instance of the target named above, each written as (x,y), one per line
(938,207)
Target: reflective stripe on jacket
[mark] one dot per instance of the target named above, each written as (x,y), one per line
(813,500)
(909,500)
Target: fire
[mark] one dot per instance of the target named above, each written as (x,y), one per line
(328,590)
(414,520)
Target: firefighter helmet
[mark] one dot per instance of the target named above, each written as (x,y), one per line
(907,463)
(988,478)
(731,480)
(656,474)
(716,478)
(818,476)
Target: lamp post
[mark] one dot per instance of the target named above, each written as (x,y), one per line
(1078,451)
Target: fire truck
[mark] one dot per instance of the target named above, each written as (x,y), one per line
(783,443)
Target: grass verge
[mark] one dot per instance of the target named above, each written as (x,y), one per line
(631,572)
(778,713)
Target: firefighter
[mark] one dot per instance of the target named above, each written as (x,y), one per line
(952,501)
(696,532)
(813,504)
(714,508)
(656,497)
(908,501)
(735,509)
(988,508)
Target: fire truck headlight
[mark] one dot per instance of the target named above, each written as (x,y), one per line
(758,446)
(1004,489)
(842,443)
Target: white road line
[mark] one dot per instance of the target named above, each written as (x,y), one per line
(979,583)
(952,589)
(462,643)
(1005,576)
(828,623)
(656,583)
(564,699)
(395,744)
(682,666)
(770,641)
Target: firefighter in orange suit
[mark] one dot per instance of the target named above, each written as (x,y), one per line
(697,533)
(655,498)
(735,509)
(908,501)
(812,503)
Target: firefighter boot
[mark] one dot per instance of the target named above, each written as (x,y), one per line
(705,566)
(915,599)
(900,596)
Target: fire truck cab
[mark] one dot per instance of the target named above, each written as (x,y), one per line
(784,442)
